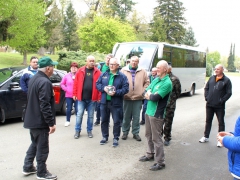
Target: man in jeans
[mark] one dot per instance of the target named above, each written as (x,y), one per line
(132,103)
(86,93)
(112,100)
(40,119)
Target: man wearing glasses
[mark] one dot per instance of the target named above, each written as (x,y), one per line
(132,103)
(113,85)
(28,73)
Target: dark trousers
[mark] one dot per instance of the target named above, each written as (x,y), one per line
(98,112)
(168,120)
(220,113)
(117,116)
(39,148)
(144,109)
(70,102)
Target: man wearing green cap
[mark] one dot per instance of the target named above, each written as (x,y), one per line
(40,119)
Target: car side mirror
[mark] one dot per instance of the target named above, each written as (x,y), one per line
(14,85)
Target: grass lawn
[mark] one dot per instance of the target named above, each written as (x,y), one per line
(16,59)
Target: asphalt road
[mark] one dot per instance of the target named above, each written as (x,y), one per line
(85,159)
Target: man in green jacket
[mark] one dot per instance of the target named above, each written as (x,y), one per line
(157,94)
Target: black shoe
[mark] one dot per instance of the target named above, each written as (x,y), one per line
(137,137)
(145,158)
(96,123)
(27,172)
(157,166)
(166,143)
(47,176)
(142,123)
(124,136)
(77,135)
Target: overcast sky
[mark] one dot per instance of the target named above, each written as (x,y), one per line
(216,23)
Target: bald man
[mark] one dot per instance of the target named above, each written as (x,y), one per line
(217,91)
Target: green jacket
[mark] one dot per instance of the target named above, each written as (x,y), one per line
(160,89)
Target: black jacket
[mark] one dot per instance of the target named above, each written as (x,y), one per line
(217,93)
(40,112)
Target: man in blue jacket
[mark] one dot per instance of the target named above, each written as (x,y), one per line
(29,73)
(217,91)
(231,141)
(40,119)
(113,85)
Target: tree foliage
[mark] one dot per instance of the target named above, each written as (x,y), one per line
(71,40)
(103,33)
(213,58)
(158,29)
(140,25)
(171,11)
(189,38)
(26,30)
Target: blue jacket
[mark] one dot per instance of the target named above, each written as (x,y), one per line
(121,86)
(232,143)
(28,73)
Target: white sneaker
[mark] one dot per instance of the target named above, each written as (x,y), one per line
(219,144)
(67,124)
(203,140)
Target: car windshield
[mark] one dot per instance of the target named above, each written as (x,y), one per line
(144,51)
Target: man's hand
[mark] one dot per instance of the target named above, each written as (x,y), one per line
(52,129)
(74,98)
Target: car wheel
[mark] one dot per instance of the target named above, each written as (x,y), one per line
(2,116)
(192,91)
(64,108)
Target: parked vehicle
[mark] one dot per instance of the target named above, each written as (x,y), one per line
(13,100)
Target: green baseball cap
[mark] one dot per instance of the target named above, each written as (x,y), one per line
(46,61)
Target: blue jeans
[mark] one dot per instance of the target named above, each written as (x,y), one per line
(70,103)
(89,105)
(117,116)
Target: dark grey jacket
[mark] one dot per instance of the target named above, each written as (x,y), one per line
(217,93)
(40,112)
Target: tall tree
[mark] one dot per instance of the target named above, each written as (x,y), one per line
(26,27)
(189,38)
(140,25)
(71,40)
(231,67)
(172,12)
(120,8)
(103,33)
(53,27)
(158,29)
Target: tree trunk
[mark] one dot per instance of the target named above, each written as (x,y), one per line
(41,51)
(24,58)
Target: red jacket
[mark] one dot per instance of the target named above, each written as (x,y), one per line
(79,80)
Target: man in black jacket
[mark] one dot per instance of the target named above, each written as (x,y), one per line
(40,119)
(217,91)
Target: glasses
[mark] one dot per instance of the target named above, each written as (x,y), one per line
(113,64)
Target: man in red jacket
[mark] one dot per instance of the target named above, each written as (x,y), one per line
(85,92)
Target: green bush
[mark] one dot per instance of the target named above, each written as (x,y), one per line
(209,70)
(66,58)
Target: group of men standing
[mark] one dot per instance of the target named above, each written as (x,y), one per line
(120,93)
